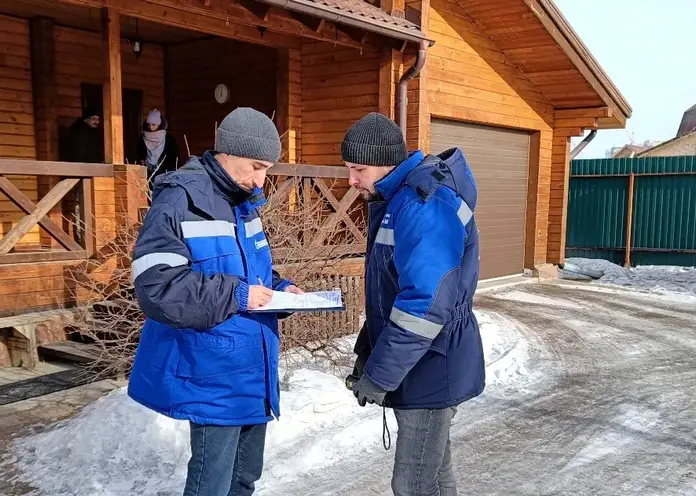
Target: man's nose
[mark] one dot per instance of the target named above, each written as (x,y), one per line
(352,180)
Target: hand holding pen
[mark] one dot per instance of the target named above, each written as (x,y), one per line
(259,295)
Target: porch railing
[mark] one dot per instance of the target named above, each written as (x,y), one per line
(68,177)
(336,229)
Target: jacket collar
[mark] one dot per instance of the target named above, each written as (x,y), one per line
(392,182)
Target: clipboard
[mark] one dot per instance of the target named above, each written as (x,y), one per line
(318,301)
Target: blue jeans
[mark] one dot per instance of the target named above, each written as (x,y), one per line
(423,464)
(225,461)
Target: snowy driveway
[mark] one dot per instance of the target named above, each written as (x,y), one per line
(613,409)
(590,391)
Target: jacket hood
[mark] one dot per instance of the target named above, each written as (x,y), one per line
(458,176)
(427,173)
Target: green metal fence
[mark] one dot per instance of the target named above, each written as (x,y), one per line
(649,201)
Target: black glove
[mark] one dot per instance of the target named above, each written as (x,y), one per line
(367,391)
(359,365)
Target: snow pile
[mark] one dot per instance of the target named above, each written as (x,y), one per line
(115,446)
(657,278)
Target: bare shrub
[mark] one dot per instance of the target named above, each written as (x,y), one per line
(110,318)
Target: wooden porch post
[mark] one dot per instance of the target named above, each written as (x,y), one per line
(113,104)
(390,69)
(43,74)
(289,103)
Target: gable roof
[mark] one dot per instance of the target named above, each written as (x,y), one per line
(688,122)
(537,38)
(679,146)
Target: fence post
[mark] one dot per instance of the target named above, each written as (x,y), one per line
(629,220)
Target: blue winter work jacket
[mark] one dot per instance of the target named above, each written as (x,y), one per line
(422,269)
(202,357)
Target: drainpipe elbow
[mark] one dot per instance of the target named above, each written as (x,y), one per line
(411,73)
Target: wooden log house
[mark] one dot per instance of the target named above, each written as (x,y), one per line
(507,81)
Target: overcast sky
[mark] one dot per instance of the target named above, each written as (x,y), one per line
(647,48)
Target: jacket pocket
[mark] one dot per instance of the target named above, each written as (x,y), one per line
(440,344)
(207,355)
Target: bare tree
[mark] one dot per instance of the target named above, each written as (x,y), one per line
(111,321)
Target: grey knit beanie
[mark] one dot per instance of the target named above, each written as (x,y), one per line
(248,133)
(374,140)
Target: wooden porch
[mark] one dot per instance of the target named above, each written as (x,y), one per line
(314,71)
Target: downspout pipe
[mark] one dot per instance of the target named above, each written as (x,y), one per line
(411,73)
(581,146)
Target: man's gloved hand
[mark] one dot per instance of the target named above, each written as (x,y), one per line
(367,391)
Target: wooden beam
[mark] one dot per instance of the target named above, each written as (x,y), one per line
(113,100)
(355,34)
(43,72)
(581,113)
(260,10)
(568,131)
(46,256)
(530,235)
(390,64)
(311,22)
(9,167)
(333,219)
(45,96)
(36,214)
(583,122)
(282,114)
(328,194)
(88,215)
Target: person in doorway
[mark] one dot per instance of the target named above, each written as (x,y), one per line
(157,149)
(201,264)
(85,138)
(420,350)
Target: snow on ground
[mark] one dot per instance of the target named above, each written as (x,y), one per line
(116,447)
(654,278)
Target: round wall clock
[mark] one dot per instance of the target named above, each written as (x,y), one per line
(222,93)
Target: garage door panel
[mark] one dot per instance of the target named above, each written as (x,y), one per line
(499,160)
(452,129)
(482,146)
(477,149)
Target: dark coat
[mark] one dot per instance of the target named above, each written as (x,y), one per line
(422,267)
(86,144)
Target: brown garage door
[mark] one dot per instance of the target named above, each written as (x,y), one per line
(499,159)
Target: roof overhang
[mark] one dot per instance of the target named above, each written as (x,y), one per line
(619,110)
(357,14)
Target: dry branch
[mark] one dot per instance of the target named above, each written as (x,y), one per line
(111,319)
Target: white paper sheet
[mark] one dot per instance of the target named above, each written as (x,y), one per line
(309,302)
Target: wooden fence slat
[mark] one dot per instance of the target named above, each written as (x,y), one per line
(37,214)
(336,217)
(326,191)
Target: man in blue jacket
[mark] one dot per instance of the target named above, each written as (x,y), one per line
(419,351)
(201,263)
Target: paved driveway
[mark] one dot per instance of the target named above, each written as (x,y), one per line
(609,407)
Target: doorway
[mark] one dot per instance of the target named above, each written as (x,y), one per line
(92,96)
